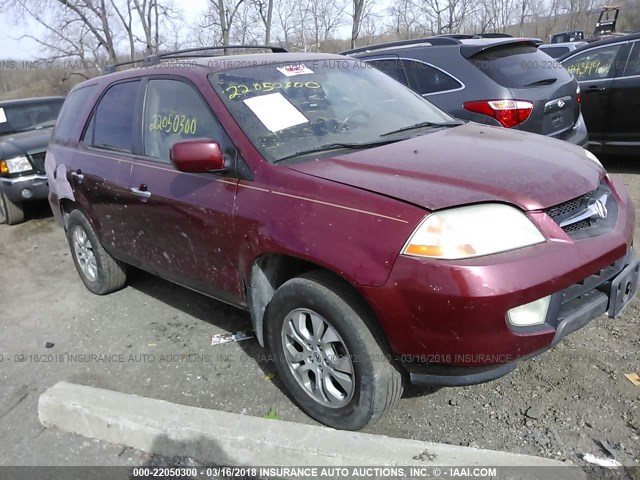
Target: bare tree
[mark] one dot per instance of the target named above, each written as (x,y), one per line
(265,9)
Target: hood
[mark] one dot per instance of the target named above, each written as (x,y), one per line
(467,164)
(15,144)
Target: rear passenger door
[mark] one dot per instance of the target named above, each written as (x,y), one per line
(183,226)
(595,69)
(624,128)
(102,165)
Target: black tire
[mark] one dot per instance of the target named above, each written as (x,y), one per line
(378,384)
(111,274)
(12,212)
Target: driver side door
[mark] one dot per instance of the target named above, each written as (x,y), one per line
(184,228)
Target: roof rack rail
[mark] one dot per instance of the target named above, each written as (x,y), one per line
(155,59)
(405,43)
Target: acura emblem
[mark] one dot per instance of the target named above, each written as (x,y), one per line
(599,209)
(561,103)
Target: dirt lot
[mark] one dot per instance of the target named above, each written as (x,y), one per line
(153,339)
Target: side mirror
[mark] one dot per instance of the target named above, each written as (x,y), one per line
(197,156)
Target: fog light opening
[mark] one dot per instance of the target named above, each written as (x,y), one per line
(26,193)
(533,313)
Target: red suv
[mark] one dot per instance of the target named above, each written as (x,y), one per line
(374,239)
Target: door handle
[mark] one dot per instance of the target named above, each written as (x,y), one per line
(78,175)
(594,88)
(141,191)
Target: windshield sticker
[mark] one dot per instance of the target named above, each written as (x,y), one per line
(275,112)
(238,90)
(293,70)
(3,117)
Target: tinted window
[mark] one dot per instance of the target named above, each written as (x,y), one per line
(426,79)
(593,64)
(174,111)
(29,116)
(633,65)
(70,113)
(555,52)
(518,66)
(114,118)
(391,67)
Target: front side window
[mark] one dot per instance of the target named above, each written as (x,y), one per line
(112,125)
(287,108)
(595,64)
(173,112)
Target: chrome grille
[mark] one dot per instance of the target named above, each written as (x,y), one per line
(585,227)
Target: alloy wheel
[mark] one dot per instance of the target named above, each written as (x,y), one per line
(84,253)
(318,358)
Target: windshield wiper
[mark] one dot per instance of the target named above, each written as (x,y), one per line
(422,125)
(334,146)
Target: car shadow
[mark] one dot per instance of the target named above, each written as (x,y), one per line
(228,318)
(208,310)
(620,164)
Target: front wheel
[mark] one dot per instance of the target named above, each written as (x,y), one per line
(326,355)
(11,212)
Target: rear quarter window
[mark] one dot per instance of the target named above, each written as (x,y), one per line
(519,66)
(70,113)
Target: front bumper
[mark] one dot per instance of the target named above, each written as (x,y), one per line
(25,188)
(446,320)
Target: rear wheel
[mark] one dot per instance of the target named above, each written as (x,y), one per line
(99,271)
(11,212)
(326,355)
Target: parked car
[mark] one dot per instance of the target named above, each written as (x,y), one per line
(504,81)
(25,128)
(374,239)
(556,50)
(608,72)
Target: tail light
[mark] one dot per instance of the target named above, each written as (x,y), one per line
(578,95)
(508,112)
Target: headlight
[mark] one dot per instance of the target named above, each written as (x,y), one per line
(15,165)
(472,231)
(591,156)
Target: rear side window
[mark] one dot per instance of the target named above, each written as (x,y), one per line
(391,67)
(113,122)
(555,52)
(70,113)
(519,66)
(426,79)
(594,64)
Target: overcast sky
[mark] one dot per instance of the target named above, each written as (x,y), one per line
(27,49)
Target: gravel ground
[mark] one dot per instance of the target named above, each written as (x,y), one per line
(154,338)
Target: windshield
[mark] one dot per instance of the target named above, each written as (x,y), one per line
(29,116)
(290,108)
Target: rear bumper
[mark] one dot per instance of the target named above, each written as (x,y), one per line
(25,188)
(577,135)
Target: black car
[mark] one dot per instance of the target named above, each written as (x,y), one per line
(498,81)
(25,129)
(608,72)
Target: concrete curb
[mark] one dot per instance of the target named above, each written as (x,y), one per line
(222,438)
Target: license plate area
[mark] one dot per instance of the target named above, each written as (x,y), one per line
(623,288)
